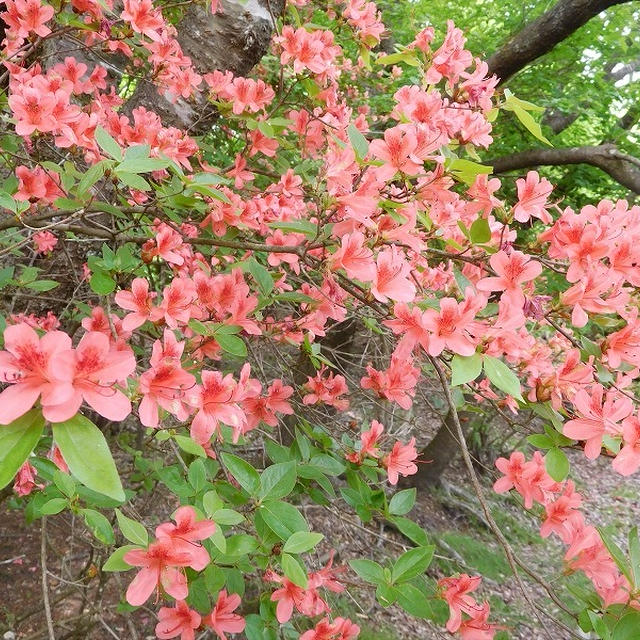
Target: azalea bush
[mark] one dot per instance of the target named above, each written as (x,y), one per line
(337,191)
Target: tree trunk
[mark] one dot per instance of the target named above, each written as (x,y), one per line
(437,456)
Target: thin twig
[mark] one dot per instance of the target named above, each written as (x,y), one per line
(45,587)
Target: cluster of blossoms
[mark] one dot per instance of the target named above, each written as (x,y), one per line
(586,551)
(398,462)
(475,624)
(387,226)
(178,546)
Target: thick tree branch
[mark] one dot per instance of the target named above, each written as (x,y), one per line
(544,33)
(623,168)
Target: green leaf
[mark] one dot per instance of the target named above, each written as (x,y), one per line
(91,177)
(261,276)
(465,368)
(466,170)
(133,531)
(616,553)
(412,563)
(327,464)
(293,570)
(211,503)
(99,525)
(627,627)
(402,502)
(283,519)
(116,561)
(53,506)
(243,472)
(231,344)
(241,544)
(634,554)
(189,445)
(296,226)
(480,231)
(137,152)
(102,283)
(502,377)
(368,570)
(411,530)
(197,475)
(358,141)
(557,464)
(134,181)
(42,285)
(142,165)
(302,541)
(64,482)
(108,144)
(17,441)
(85,450)
(278,481)
(414,602)
(540,440)
(227,516)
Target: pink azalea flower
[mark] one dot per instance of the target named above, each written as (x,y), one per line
(27,364)
(354,257)
(397,152)
(165,383)
(160,562)
(143,18)
(222,619)
(452,327)
(399,462)
(532,198)
(177,621)
(513,270)
(392,278)
(25,481)
(95,367)
(187,533)
(628,459)
(455,592)
(215,401)
(45,241)
(139,300)
(598,414)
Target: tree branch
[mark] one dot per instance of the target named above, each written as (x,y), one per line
(606,157)
(544,33)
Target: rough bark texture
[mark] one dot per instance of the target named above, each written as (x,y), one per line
(620,166)
(233,39)
(544,33)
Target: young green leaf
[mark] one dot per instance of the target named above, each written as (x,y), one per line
(358,141)
(108,144)
(17,441)
(293,570)
(557,464)
(502,377)
(278,481)
(85,450)
(243,472)
(99,526)
(368,570)
(133,531)
(465,368)
(412,563)
(302,541)
(402,502)
(116,561)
